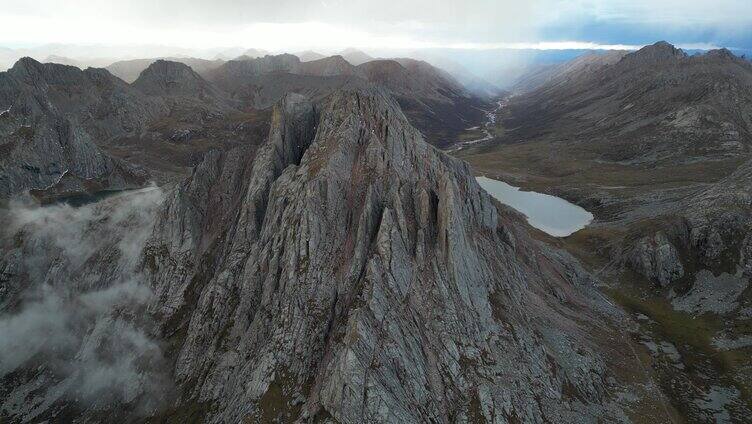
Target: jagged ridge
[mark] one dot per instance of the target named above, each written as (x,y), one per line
(351,270)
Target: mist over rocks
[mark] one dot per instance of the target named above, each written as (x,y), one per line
(72,300)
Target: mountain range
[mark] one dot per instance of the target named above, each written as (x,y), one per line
(281,238)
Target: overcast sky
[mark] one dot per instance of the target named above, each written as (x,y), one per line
(332,24)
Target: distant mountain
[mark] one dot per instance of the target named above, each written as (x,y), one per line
(308,55)
(541,75)
(355,56)
(326,67)
(129,70)
(64,61)
(168,78)
(254,53)
(435,102)
(409,77)
(654,105)
(7,58)
(473,83)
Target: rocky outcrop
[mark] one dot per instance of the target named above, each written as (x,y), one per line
(54,157)
(657,53)
(104,105)
(351,272)
(657,259)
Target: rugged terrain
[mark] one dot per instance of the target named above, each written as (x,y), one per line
(656,144)
(50,116)
(344,271)
(436,104)
(312,257)
(69,132)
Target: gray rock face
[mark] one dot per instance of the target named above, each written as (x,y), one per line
(103,104)
(51,114)
(54,157)
(352,272)
(657,259)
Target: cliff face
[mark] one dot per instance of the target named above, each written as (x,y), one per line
(351,271)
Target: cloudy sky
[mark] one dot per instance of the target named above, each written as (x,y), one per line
(332,24)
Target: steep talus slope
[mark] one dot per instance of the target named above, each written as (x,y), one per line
(51,114)
(350,271)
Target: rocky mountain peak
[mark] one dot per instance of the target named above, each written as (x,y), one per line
(659,52)
(722,55)
(168,78)
(33,72)
(328,66)
(27,64)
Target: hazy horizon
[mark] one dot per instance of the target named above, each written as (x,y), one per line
(484,37)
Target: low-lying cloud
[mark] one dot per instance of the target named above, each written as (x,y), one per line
(72,316)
